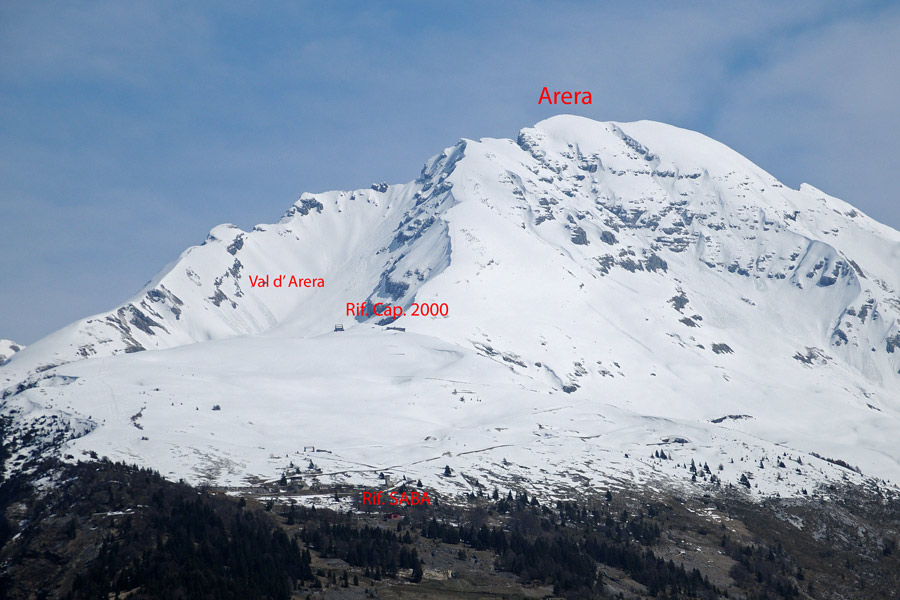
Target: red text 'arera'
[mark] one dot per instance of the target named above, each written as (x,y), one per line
(564,97)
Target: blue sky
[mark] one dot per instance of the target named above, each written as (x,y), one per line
(129,129)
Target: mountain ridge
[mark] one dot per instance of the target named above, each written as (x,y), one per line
(678,291)
(311,202)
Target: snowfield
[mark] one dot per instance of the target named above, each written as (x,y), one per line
(617,292)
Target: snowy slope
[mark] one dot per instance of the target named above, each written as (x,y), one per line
(7,349)
(612,289)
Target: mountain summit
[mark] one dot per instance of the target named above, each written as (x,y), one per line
(618,299)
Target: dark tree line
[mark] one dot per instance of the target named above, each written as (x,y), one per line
(566,547)
(383,552)
(764,566)
(198,555)
(157,539)
(121,530)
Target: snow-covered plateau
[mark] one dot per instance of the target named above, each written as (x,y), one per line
(622,298)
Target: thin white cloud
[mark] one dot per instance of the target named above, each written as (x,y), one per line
(822,109)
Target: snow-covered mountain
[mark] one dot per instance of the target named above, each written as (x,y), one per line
(7,349)
(614,293)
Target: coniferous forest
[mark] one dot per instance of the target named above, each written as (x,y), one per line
(106,530)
